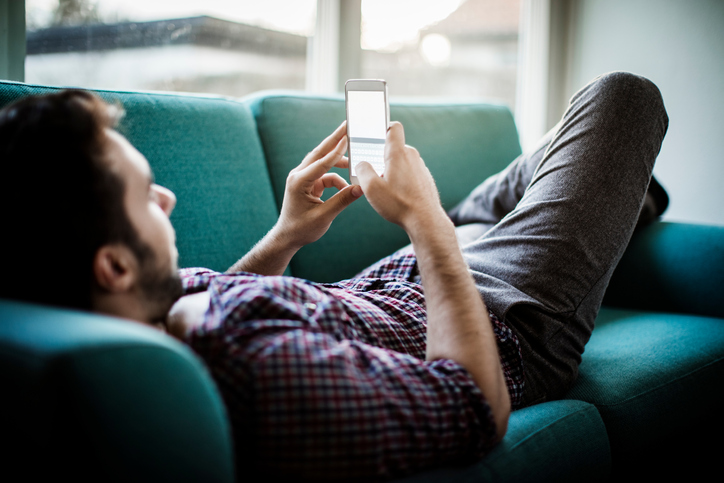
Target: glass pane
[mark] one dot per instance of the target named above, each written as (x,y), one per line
(229,47)
(451,48)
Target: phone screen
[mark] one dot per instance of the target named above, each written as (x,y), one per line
(367,128)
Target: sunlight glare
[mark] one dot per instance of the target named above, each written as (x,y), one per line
(435,49)
(388,25)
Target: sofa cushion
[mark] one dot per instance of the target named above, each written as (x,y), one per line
(477,139)
(656,379)
(105,400)
(671,267)
(555,441)
(206,150)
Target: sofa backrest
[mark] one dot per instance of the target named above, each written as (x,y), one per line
(206,150)
(461,143)
(671,267)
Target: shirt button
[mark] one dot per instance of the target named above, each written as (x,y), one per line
(310,306)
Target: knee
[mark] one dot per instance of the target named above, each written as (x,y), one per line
(625,83)
(632,92)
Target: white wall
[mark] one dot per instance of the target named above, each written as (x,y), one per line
(679,45)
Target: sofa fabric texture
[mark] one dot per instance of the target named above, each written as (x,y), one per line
(97,396)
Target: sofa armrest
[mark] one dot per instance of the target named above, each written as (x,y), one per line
(96,398)
(671,267)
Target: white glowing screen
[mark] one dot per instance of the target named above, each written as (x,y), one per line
(367,129)
(367,117)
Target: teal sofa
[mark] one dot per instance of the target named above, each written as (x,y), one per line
(91,397)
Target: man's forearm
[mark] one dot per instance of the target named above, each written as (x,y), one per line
(458,323)
(270,256)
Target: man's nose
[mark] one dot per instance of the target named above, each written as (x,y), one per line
(166,199)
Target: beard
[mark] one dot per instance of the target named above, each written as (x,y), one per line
(160,286)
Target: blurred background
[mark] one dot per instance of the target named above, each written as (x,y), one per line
(531,55)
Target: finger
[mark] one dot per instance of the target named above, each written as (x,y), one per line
(329,180)
(395,135)
(394,143)
(342,200)
(334,180)
(342,163)
(317,169)
(366,175)
(329,143)
(412,150)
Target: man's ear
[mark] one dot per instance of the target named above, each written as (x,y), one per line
(115,268)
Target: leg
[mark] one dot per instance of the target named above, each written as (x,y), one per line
(498,195)
(544,267)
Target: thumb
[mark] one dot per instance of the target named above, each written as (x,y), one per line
(366,174)
(342,199)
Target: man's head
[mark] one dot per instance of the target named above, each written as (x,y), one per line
(84,226)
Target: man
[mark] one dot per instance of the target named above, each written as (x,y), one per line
(367,377)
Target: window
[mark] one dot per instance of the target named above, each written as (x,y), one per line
(453,48)
(450,48)
(215,46)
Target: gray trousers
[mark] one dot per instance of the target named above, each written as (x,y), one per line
(543,237)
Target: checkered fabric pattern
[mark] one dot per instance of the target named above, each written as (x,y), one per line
(329,381)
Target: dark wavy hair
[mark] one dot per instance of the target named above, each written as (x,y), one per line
(59,199)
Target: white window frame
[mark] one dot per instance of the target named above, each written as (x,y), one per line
(334,53)
(543,67)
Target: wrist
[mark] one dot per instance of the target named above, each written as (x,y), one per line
(423,224)
(280,239)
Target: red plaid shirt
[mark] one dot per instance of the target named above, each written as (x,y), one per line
(330,380)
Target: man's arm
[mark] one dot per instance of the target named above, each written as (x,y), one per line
(458,324)
(304,216)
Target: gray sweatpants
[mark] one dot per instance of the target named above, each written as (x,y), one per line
(548,231)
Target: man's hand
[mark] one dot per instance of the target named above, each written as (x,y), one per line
(406,194)
(304,216)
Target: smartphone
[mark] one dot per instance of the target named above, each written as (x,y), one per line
(368,115)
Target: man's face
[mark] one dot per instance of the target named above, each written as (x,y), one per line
(148,207)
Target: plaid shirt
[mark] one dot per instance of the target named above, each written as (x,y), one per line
(329,380)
